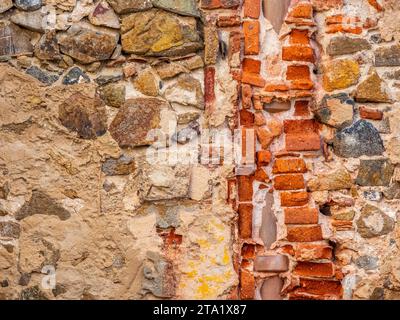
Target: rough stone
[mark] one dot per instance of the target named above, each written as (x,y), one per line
(147,82)
(187,134)
(28,5)
(361,138)
(5,5)
(373,222)
(113,94)
(159,33)
(340,74)
(387,56)
(9,229)
(211,44)
(14,40)
(84,115)
(47,48)
(41,203)
(43,76)
(121,166)
(367,262)
(135,119)
(347,45)
(35,20)
(75,75)
(128,6)
(372,89)
(372,195)
(335,180)
(87,43)
(32,293)
(186,91)
(375,172)
(173,68)
(104,15)
(337,110)
(182,7)
(104,79)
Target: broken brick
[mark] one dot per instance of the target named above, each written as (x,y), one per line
(304,233)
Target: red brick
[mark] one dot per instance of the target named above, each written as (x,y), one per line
(261,175)
(301,108)
(252,8)
(294,199)
(245,188)
(299,126)
(303,142)
(209,84)
(216,4)
(245,220)
(369,113)
(298,53)
(247,94)
(289,166)
(248,145)
(235,39)
(247,285)
(248,251)
(302,10)
(251,65)
(320,287)
(287,249)
(246,118)
(298,72)
(304,233)
(265,137)
(228,21)
(311,269)
(271,87)
(300,37)
(263,157)
(306,251)
(376,5)
(253,79)
(321,5)
(341,19)
(335,28)
(251,31)
(289,182)
(303,215)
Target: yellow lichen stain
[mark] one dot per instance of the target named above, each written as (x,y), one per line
(171,35)
(226,258)
(203,243)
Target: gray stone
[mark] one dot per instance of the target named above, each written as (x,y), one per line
(271,289)
(375,172)
(168,217)
(14,40)
(75,75)
(28,5)
(5,5)
(187,134)
(122,166)
(108,78)
(336,110)
(387,56)
(41,203)
(34,21)
(373,222)
(182,7)
(24,279)
(361,138)
(372,195)
(367,262)
(43,76)
(268,231)
(9,229)
(128,6)
(84,115)
(377,294)
(347,45)
(393,191)
(275,263)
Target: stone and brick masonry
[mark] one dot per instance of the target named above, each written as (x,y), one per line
(113,180)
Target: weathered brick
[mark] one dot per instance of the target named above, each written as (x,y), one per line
(271,87)
(289,166)
(247,285)
(302,10)
(320,287)
(299,37)
(299,126)
(289,182)
(252,8)
(304,233)
(334,28)
(251,31)
(294,199)
(253,79)
(247,94)
(251,65)
(263,157)
(228,21)
(341,19)
(248,251)
(259,119)
(306,251)
(245,188)
(369,113)
(245,220)
(209,85)
(301,108)
(265,137)
(303,142)
(321,5)
(300,78)
(376,5)
(312,269)
(248,137)
(301,215)
(298,53)
(246,118)
(261,175)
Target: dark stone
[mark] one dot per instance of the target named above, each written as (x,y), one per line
(361,138)
(387,56)
(75,75)
(47,48)
(59,289)
(377,294)
(42,76)
(41,203)
(4,283)
(14,40)
(393,75)
(347,45)
(32,293)
(372,195)
(28,5)
(375,172)
(376,38)
(4,190)
(24,279)
(187,134)
(373,222)
(84,115)
(105,79)
(17,128)
(9,229)
(122,166)
(367,262)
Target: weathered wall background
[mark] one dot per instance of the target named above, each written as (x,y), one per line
(314,83)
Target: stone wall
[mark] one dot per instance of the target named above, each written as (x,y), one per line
(211,149)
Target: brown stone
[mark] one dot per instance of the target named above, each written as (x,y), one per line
(14,40)
(340,74)
(373,222)
(211,43)
(372,89)
(128,6)
(104,15)
(47,48)
(9,229)
(186,91)
(113,94)
(276,263)
(335,180)
(84,115)
(277,106)
(375,172)
(147,83)
(347,45)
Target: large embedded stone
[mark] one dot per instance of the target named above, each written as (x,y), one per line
(186,91)
(9,229)
(373,222)
(340,74)
(47,48)
(159,33)
(337,110)
(128,6)
(14,40)
(361,138)
(335,180)
(347,45)
(104,15)
(87,43)
(84,115)
(135,120)
(41,203)
(121,166)
(147,82)
(372,89)
(387,56)
(375,172)
(28,5)
(183,7)
(275,12)
(35,21)
(5,5)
